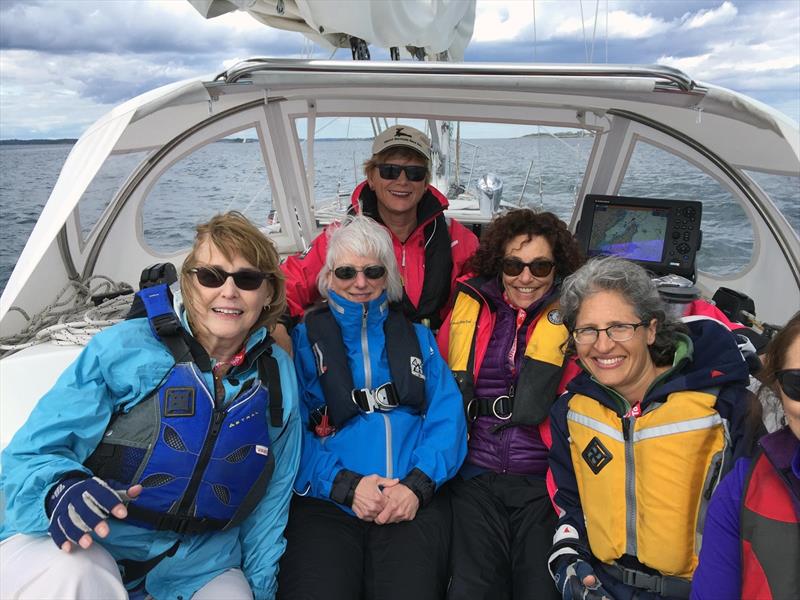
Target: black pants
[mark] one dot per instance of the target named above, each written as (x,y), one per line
(331,555)
(503,529)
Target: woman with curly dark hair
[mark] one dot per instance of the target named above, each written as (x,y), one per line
(503,341)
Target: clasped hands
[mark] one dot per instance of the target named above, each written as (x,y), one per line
(383,500)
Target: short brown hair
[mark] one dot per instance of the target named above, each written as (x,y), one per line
(234,235)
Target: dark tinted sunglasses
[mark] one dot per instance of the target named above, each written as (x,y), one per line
(371,272)
(790,382)
(413,172)
(539,268)
(246,279)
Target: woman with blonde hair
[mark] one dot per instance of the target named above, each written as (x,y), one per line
(162,460)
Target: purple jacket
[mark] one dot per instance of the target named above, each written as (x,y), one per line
(517,450)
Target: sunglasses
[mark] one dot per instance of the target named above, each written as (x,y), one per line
(214,277)
(371,272)
(538,268)
(789,379)
(413,172)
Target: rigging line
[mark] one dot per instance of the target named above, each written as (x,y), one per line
(583,28)
(533,5)
(606,31)
(594,29)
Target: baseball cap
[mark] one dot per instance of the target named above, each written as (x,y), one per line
(402,136)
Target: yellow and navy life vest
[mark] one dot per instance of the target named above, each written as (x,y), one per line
(471,325)
(645,482)
(204,464)
(770,522)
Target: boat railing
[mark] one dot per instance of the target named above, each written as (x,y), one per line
(667,75)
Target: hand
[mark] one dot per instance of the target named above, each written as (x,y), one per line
(576,581)
(281,336)
(82,506)
(369,499)
(402,505)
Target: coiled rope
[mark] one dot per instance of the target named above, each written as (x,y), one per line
(73,318)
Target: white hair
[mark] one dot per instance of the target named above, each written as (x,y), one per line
(361,236)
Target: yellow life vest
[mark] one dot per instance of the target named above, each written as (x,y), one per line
(470,334)
(644,482)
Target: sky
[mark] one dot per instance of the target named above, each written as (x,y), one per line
(64,63)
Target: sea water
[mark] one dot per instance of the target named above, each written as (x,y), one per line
(197,188)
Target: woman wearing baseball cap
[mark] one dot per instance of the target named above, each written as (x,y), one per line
(431,251)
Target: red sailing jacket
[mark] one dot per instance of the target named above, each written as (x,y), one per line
(301,270)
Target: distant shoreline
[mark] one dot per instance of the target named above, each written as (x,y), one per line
(60,141)
(71,141)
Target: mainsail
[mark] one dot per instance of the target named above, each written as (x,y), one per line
(442,28)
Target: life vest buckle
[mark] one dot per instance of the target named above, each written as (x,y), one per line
(502,408)
(384,397)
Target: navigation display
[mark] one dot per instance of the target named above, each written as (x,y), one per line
(633,232)
(663,235)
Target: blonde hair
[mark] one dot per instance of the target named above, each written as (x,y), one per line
(234,235)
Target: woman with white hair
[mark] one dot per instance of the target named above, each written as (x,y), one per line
(384,429)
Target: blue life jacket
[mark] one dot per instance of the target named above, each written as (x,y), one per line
(204,463)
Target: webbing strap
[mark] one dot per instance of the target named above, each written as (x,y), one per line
(269,373)
(133,570)
(672,587)
(164,322)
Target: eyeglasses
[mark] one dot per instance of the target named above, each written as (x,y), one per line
(789,379)
(538,268)
(413,172)
(214,277)
(621,332)
(371,272)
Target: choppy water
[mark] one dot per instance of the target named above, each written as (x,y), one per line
(231,176)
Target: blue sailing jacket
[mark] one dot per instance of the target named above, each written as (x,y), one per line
(118,369)
(387,443)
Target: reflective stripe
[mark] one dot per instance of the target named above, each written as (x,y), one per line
(595,425)
(680,427)
(388,429)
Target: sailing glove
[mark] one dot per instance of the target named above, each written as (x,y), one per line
(569,581)
(76,506)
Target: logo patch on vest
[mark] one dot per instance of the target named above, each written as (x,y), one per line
(179,402)
(596,455)
(554,316)
(416,367)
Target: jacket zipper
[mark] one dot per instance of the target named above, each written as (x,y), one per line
(218,416)
(205,456)
(365,350)
(630,486)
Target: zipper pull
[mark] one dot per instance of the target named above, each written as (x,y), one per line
(626,429)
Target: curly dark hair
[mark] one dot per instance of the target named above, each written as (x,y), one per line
(488,257)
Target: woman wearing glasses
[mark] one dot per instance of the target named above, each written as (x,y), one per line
(383,430)
(503,341)
(430,250)
(164,456)
(751,540)
(641,438)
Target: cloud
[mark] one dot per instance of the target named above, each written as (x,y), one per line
(64,63)
(725,13)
